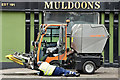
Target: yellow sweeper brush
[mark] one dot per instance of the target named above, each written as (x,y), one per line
(14,59)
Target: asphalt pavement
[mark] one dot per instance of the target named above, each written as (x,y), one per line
(102,73)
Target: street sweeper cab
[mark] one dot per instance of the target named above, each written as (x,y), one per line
(52,53)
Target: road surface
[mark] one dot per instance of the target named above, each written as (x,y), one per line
(104,73)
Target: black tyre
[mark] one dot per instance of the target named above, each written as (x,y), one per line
(89,67)
(71,61)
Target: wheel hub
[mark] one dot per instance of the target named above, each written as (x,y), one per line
(89,68)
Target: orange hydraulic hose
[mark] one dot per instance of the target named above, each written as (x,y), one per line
(38,35)
(65,54)
(39,45)
(65,41)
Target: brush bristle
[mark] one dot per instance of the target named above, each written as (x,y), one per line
(14,59)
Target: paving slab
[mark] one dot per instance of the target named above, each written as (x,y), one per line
(102,73)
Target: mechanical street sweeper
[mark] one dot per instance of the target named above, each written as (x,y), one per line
(87,42)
